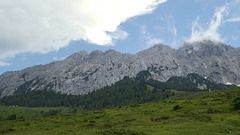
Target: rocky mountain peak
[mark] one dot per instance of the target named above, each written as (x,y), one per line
(96,52)
(202,43)
(156,51)
(206,47)
(77,55)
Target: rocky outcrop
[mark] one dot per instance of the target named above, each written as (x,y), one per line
(81,72)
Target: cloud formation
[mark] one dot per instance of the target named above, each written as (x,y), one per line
(2,64)
(42,26)
(175,41)
(211,32)
(148,38)
(233,20)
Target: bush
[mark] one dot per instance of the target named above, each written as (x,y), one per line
(236,103)
(159,119)
(1,118)
(74,111)
(51,112)
(211,110)
(134,105)
(176,107)
(12,117)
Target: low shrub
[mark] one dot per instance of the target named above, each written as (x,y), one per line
(12,117)
(236,103)
(176,107)
(159,119)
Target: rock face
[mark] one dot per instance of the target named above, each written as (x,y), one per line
(81,72)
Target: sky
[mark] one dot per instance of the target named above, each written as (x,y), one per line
(34,32)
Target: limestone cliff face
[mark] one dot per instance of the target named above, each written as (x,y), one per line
(81,72)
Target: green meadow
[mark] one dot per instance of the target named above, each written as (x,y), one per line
(186,113)
(26,112)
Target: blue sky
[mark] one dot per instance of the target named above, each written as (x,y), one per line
(39,32)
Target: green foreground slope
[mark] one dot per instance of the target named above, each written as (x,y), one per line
(187,113)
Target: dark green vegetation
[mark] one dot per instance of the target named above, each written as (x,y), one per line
(186,113)
(236,103)
(15,112)
(192,82)
(124,92)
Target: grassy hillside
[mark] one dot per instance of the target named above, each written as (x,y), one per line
(9,112)
(187,113)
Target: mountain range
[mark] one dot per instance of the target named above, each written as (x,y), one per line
(82,73)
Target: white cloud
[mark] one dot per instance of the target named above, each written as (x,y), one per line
(59,58)
(42,26)
(148,38)
(153,41)
(173,30)
(2,64)
(175,42)
(200,33)
(233,20)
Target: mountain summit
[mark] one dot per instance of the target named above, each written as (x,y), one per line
(81,72)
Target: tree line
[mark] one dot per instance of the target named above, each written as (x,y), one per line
(124,92)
